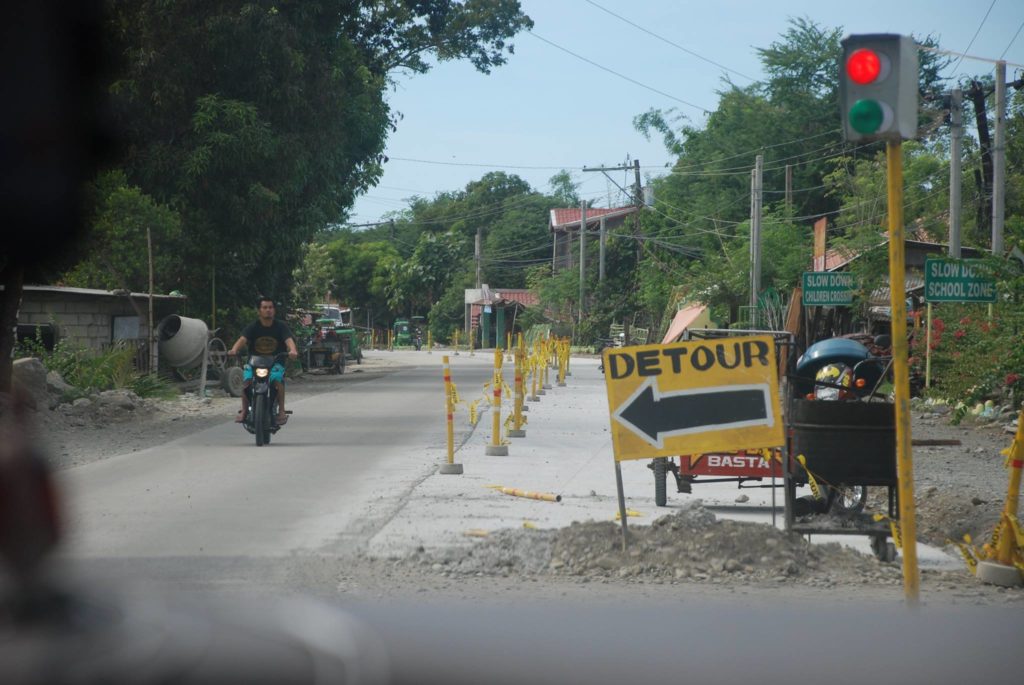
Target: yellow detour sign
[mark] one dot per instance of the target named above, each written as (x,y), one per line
(693,397)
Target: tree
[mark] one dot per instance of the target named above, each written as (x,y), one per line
(314,277)
(259,122)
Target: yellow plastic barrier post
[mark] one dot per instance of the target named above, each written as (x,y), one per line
(496,449)
(563,360)
(524,363)
(517,430)
(472,342)
(430,343)
(455,337)
(542,496)
(1006,555)
(449,467)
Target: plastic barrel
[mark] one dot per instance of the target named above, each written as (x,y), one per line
(182,341)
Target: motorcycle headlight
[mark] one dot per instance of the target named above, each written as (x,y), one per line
(262,373)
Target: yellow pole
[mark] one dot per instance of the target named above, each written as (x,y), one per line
(928,350)
(496,448)
(449,467)
(430,343)
(472,342)
(517,410)
(456,336)
(449,410)
(901,371)
(1007,538)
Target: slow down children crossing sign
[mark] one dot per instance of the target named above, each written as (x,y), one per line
(693,397)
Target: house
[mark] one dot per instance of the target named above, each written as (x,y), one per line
(93,319)
(565,223)
(495,312)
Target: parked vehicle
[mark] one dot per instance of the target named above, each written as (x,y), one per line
(261,419)
(334,340)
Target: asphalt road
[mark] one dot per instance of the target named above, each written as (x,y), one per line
(213,511)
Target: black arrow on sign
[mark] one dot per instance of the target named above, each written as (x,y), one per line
(654,415)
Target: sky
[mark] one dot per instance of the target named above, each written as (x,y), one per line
(568,96)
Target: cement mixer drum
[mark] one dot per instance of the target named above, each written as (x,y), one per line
(182,341)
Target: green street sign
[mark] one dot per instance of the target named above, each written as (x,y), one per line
(958,280)
(828,288)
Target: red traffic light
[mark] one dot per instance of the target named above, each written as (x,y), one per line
(863,66)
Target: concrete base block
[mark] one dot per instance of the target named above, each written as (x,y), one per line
(524,408)
(455,469)
(533,398)
(999,574)
(517,433)
(496,450)
(561,384)
(546,386)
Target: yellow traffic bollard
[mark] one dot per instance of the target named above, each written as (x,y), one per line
(563,361)
(1005,563)
(449,467)
(517,430)
(496,449)
(472,342)
(430,343)
(455,337)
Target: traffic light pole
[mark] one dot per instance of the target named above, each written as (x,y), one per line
(901,371)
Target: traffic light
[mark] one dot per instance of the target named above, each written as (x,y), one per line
(878,87)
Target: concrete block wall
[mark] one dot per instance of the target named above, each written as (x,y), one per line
(84,319)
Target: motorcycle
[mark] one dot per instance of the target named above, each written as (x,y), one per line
(843,370)
(261,419)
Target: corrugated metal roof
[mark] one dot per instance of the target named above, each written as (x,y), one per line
(568,218)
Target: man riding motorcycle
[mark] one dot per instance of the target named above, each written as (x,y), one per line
(269,336)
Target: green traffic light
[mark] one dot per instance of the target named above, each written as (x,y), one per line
(866,116)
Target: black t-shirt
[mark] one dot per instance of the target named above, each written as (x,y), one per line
(267,340)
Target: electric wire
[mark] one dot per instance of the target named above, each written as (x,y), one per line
(1012,40)
(983,20)
(666,40)
(622,76)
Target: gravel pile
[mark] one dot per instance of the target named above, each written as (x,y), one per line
(688,545)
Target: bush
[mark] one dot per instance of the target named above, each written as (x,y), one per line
(974,358)
(91,372)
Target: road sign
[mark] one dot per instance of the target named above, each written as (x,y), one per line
(958,280)
(828,288)
(693,397)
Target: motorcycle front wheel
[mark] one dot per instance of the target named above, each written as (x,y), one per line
(259,419)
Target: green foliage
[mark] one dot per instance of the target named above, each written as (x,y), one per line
(90,372)
(314,277)
(973,357)
(258,123)
(117,252)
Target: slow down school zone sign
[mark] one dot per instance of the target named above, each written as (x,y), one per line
(693,397)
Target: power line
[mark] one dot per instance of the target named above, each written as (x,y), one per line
(983,20)
(622,76)
(666,40)
(1012,40)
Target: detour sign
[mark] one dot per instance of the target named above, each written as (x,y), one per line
(693,397)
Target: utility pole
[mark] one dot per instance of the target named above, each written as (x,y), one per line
(789,187)
(583,254)
(999,162)
(755,235)
(477,255)
(955,170)
(638,201)
(600,266)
